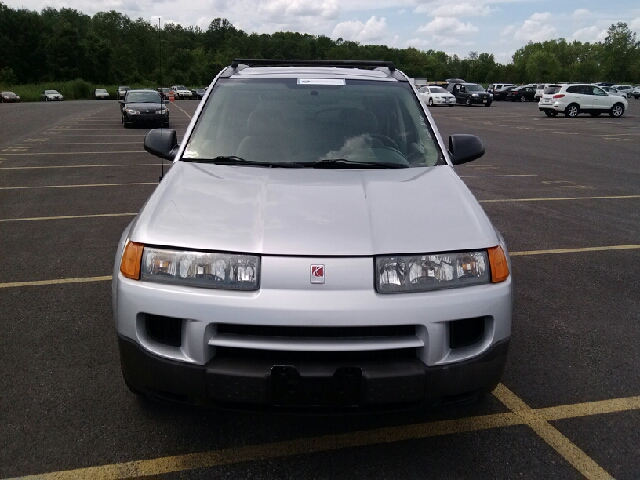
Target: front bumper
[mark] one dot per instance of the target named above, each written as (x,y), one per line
(143,118)
(258,382)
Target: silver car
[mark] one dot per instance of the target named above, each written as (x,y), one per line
(312,246)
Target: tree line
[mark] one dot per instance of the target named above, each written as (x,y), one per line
(110,48)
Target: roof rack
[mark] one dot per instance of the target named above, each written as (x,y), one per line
(260,62)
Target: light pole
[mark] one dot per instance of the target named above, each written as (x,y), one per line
(160,49)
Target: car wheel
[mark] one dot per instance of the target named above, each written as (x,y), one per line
(617,110)
(468,102)
(522,99)
(595,114)
(572,110)
(431,102)
(550,113)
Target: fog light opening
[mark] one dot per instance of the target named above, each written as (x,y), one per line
(164,330)
(466,332)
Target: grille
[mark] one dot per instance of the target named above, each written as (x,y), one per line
(316,332)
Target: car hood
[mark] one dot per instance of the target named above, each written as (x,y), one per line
(144,106)
(313,212)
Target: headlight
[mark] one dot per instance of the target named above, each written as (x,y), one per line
(474,95)
(420,273)
(161,112)
(130,111)
(199,269)
(491,95)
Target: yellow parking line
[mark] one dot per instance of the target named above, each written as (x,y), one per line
(574,250)
(300,446)
(168,164)
(64,217)
(549,199)
(80,186)
(181,110)
(521,415)
(561,444)
(58,281)
(70,153)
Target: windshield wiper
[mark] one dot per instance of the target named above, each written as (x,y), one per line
(234,160)
(346,163)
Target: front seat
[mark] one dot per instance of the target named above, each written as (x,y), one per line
(265,140)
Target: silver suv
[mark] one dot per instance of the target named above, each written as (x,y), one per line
(312,246)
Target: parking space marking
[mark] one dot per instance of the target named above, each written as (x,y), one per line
(499,175)
(58,281)
(521,414)
(65,217)
(80,186)
(550,199)
(574,250)
(561,444)
(86,166)
(71,153)
(181,110)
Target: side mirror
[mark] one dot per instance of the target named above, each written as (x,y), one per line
(465,148)
(162,142)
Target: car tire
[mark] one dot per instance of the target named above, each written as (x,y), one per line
(488,104)
(467,102)
(431,102)
(572,110)
(522,99)
(617,110)
(550,113)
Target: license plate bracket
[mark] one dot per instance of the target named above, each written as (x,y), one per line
(291,388)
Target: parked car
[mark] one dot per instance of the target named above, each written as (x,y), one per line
(51,96)
(436,96)
(521,94)
(573,99)
(9,97)
(122,90)
(279,263)
(199,93)
(540,91)
(180,91)
(613,91)
(470,94)
(636,92)
(165,92)
(101,94)
(626,89)
(144,107)
(499,90)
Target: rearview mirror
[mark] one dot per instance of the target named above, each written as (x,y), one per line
(162,142)
(465,148)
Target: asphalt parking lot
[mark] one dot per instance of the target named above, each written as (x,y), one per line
(564,193)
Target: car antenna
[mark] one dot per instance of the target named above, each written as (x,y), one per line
(161,93)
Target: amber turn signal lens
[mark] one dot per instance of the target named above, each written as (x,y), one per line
(131,259)
(499,265)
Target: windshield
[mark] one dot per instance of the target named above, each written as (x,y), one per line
(101,90)
(474,88)
(437,90)
(181,87)
(279,121)
(552,89)
(9,94)
(50,92)
(143,97)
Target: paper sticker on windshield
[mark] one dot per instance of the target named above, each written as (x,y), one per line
(321,81)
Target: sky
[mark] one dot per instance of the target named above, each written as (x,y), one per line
(498,27)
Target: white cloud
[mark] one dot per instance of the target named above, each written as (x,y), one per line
(508,30)
(448,25)
(451,42)
(635,24)
(276,9)
(370,31)
(537,28)
(590,34)
(581,14)
(462,10)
